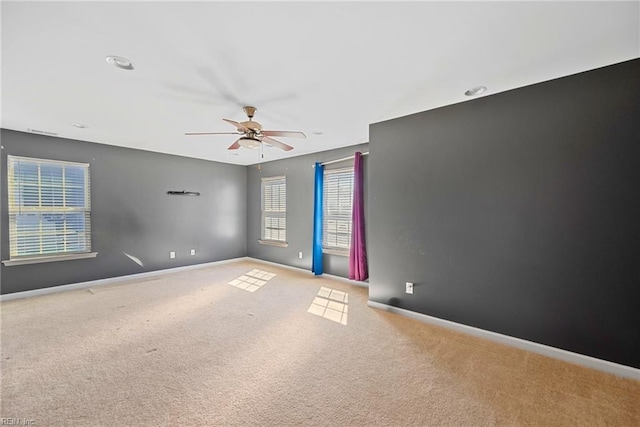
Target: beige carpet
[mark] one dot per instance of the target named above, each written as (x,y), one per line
(190,349)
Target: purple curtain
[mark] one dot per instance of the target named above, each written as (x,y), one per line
(358,269)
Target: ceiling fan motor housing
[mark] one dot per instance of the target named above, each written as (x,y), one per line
(251,125)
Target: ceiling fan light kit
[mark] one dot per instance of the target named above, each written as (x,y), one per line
(252,134)
(249,142)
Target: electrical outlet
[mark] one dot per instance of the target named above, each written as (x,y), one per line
(193,251)
(172,254)
(409,288)
(300,255)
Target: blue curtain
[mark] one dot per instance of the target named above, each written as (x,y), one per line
(316,264)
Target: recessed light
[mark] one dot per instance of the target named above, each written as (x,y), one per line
(79,125)
(120,62)
(478,90)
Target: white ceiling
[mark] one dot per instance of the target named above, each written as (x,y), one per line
(331,67)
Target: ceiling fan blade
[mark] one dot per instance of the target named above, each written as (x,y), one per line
(234,146)
(213,133)
(236,125)
(286,133)
(277,143)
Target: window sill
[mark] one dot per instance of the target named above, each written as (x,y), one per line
(338,252)
(38,260)
(274,243)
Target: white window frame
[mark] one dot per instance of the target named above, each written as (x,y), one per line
(330,245)
(16,209)
(269,215)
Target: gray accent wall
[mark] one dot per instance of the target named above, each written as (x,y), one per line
(517,213)
(132,213)
(300,183)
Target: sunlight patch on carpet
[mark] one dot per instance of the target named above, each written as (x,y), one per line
(331,304)
(253,280)
(260,274)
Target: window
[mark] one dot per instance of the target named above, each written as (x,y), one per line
(337,203)
(274,210)
(49,209)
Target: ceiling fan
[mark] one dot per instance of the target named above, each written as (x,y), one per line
(252,133)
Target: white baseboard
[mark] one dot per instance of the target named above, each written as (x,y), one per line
(545,350)
(349,281)
(112,280)
(302,270)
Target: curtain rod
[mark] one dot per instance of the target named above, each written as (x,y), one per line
(339,160)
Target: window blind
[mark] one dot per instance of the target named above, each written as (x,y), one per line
(274,209)
(337,207)
(49,207)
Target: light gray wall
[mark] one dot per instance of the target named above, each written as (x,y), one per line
(131,212)
(300,182)
(517,213)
